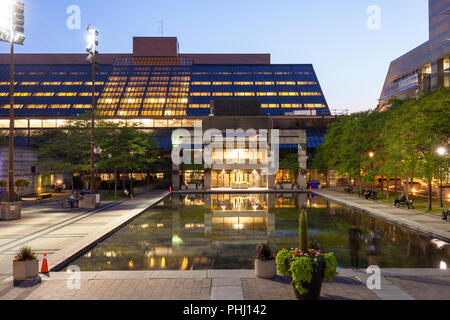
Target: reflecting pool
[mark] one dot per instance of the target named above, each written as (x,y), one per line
(221,231)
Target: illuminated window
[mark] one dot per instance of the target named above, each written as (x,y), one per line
(22,94)
(44,94)
(88,94)
(222,94)
(222,83)
(314,105)
(200,94)
(16,106)
(51,83)
(201,83)
(66,94)
(288,93)
(82,106)
(264,83)
(243,83)
(199,106)
(306,83)
(59,106)
(72,83)
(291,105)
(244,94)
(286,83)
(311,94)
(266,93)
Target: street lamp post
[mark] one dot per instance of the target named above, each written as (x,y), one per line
(441,151)
(12,22)
(371,155)
(92,200)
(92,43)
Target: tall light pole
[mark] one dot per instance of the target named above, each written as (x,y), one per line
(442,152)
(12,22)
(371,155)
(92,44)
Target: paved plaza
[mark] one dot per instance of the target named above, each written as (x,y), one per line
(47,228)
(428,224)
(396,284)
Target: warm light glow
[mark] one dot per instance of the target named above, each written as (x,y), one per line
(443,265)
(441,151)
(152,262)
(160,225)
(371,154)
(238,226)
(131,264)
(163,263)
(184,264)
(414,190)
(439,243)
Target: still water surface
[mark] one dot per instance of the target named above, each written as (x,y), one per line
(221,231)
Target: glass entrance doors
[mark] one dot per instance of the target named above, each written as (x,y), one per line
(238,179)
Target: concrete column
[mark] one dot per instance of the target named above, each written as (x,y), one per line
(176,177)
(271,181)
(208,224)
(434,75)
(302,161)
(207,180)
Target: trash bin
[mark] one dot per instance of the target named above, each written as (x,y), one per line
(314,184)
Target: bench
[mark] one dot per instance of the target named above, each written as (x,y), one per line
(348,189)
(374,195)
(44,196)
(408,203)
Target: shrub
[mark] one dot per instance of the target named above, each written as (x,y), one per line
(25,254)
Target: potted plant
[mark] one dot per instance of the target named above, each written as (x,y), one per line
(307,267)
(265,265)
(25,265)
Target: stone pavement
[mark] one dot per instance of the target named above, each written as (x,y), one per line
(47,228)
(404,284)
(430,225)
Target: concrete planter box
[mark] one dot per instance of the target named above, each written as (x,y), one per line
(192,186)
(89,201)
(265,269)
(23,270)
(11,211)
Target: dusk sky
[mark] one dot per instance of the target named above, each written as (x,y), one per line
(350,59)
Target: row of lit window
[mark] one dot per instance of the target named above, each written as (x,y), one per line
(250,73)
(250,83)
(249,94)
(54,83)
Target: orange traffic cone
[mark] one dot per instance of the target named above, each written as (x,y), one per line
(170,189)
(44,268)
(310,188)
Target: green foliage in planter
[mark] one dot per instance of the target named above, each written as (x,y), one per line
(25,254)
(301,270)
(281,259)
(303,231)
(3,184)
(330,266)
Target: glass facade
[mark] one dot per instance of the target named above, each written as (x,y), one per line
(158,87)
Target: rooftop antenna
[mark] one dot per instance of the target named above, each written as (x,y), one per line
(161,28)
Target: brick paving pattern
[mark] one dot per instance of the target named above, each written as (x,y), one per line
(424,288)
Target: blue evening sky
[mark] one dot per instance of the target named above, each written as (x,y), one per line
(350,59)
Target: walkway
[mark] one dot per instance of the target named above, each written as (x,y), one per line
(396,284)
(61,233)
(427,224)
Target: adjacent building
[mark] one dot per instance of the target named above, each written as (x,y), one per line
(426,67)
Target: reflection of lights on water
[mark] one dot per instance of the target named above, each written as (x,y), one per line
(88,255)
(110,254)
(176,240)
(108,262)
(131,264)
(144,226)
(443,265)
(163,262)
(160,225)
(255,207)
(414,190)
(238,226)
(223,208)
(439,243)
(184,264)
(152,262)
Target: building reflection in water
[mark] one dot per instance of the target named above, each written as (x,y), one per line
(221,231)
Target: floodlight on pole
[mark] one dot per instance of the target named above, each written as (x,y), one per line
(441,151)
(91,48)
